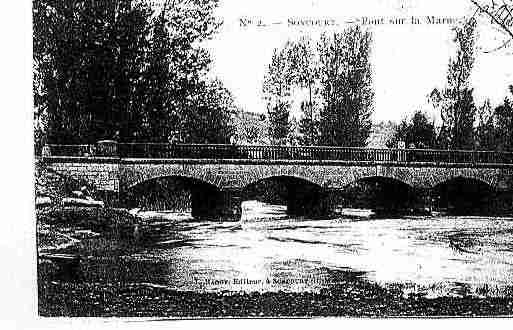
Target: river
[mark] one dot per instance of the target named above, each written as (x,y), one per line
(266,251)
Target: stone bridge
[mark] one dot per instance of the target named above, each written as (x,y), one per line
(219,183)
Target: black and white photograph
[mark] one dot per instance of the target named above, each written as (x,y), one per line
(214,159)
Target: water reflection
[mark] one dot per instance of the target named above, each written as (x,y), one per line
(270,252)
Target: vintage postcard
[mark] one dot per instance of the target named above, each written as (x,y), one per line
(273,159)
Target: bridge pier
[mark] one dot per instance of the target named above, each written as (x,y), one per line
(211,204)
(308,201)
(503,202)
(424,201)
(230,206)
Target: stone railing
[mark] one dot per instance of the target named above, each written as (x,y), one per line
(319,153)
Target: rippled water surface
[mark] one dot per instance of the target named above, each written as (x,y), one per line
(268,252)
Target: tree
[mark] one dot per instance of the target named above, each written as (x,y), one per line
(486,138)
(120,68)
(304,73)
(84,59)
(214,109)
(277,93)
(250,128)
(346,87)
(418,131)
(456,102)
(504,124)
(190,22)
(495,126)
(159,117)
(308,126)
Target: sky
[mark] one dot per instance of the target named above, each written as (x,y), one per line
(408,60)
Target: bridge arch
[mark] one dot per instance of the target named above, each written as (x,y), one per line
(479,177)
(381,178)
(134,175)
(385,195)
(301,196)
(297,178)
(464,195)
(189,178)
(177,193)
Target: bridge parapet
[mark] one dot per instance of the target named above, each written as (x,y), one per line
(306,153)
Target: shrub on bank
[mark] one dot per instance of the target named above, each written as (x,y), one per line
(92,218)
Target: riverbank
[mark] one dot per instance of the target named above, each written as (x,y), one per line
(64,227)
(353,298)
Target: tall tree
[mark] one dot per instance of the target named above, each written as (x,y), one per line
(277,94)
(308,126)
(119,68)
(86,53)
(456,102)
(190,22)
(504,124)
(159,117)
(304,73)
(346,87)
(486,134)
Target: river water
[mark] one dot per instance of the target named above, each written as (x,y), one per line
(267,251)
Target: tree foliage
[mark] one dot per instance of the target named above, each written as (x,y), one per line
(305,74)
(495,126)
(456,101)
(123,69)
(308,126)
(485,129)
(504,124)
(250,128)
(334,77)
(277,95)
(85,59)
(346,87)
(210,122)
(418,132)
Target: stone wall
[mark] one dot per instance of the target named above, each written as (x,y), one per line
(102,173)
(114,174)
(327,175)
(112,177)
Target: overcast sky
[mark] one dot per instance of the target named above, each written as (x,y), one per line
(408,60)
